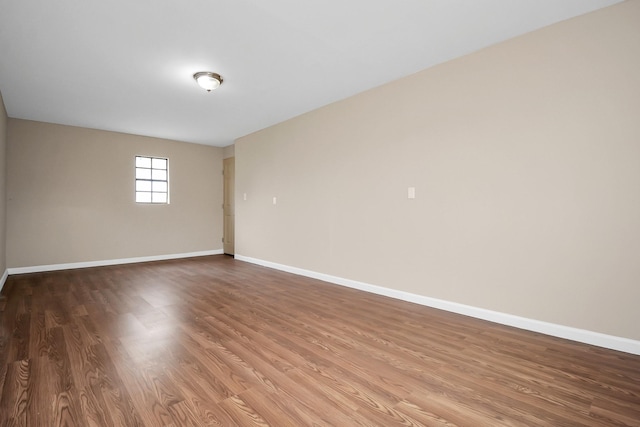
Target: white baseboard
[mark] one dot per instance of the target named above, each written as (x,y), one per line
(55,267)
(580,335)
(3,279)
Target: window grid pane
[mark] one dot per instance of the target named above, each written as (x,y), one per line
(143,185)
(142,197)
(143,173)
(143,162)
(158,197)
(159,186)
(159,163)
(158,175)
(152,180)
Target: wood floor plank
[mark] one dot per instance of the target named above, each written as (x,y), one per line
(197,404)
(278,409)
(192,366)
(40,392)
(15,396)
(241,413)
(212,341)
(66,410)
(342,407)
(105,384)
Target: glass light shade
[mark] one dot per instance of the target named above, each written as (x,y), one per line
(207,80)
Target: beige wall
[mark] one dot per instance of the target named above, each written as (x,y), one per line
(526,162)
(228,151)
(70,196)
(3,175)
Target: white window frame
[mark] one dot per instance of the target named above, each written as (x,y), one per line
(151,180)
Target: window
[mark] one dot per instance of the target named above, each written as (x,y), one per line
(152,180)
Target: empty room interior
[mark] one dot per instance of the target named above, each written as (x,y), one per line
(357,213)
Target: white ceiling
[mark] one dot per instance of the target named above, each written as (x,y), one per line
(127,65)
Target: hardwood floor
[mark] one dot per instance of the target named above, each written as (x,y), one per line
(214,341)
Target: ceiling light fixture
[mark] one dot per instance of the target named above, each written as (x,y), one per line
(207,80)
